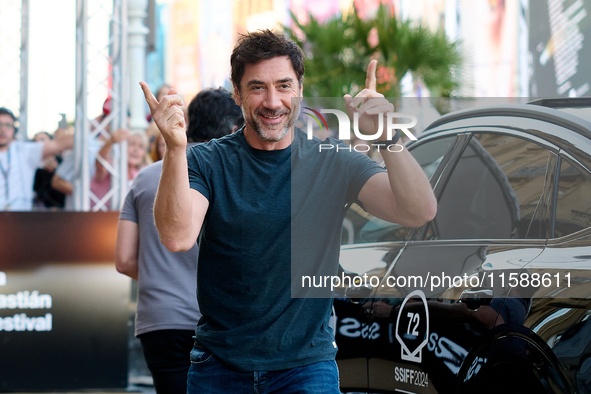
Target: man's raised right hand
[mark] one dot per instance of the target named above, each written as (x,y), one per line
(169,116)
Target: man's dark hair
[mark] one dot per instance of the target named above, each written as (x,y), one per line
(253,47)
(212,114)
(6,111)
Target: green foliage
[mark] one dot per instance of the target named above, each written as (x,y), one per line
(339,50)
(334,57)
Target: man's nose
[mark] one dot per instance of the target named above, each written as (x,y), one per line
(272,100)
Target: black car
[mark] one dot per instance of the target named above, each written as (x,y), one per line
(494,294)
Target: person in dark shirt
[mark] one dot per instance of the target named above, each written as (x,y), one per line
(267,206)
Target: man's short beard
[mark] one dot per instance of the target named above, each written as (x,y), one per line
(258,129)
(268,137)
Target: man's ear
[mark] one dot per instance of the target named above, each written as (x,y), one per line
(236,95)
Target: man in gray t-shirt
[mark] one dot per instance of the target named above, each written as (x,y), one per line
(167,309)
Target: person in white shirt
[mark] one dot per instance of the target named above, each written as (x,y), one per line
(19,161)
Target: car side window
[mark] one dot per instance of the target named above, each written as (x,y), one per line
(573,204)
(362,227)
(498,190)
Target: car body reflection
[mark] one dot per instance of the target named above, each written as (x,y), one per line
(512,234)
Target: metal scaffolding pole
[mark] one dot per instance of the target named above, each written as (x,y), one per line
(137,61)
(120,101)
(14,52)
(24,84)
(91,133)
(82,127)
(112,78)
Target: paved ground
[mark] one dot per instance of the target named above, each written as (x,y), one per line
(141,384)
(138,384)
(140,389)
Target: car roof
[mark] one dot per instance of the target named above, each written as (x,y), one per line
(571,113)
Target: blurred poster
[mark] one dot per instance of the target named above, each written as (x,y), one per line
(251,15)
(489,31)
(558,50)
(430,13)
(157,70)
(185,67)
(216,43)
(321,10)
(325,10)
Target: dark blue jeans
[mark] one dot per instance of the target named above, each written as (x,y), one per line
(209,375)
(167,355)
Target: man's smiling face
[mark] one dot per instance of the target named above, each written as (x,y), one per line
(265,95)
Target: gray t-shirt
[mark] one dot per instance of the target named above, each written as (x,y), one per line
(167,282)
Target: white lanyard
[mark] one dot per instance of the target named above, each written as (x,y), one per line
(6,173)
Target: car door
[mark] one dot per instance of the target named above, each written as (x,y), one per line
(560,313)
(492,219)
(369,244)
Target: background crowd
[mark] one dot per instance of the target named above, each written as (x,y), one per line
(38,174)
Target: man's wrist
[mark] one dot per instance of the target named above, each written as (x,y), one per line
(391,145)
(395,138)
(176,148)
(392,141)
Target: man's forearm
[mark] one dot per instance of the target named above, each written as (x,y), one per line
(61,186)
(173,206)
(54,147)
(126,248)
